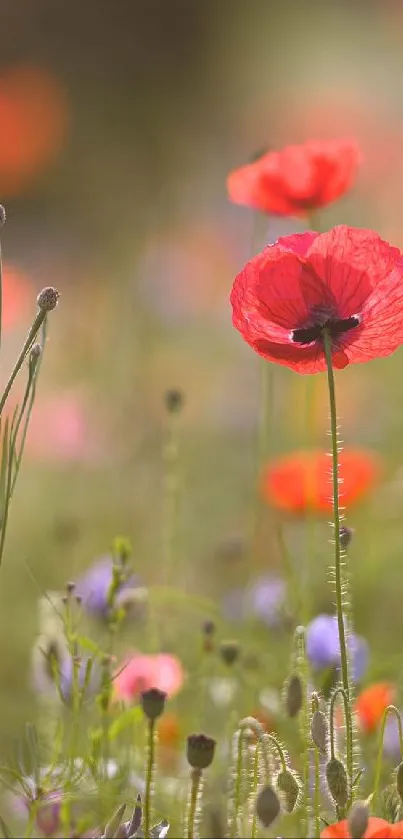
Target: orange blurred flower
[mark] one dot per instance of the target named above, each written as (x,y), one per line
(301,481)
(18,296)
(169,731)
(34,118)
(371,703)
(377,829)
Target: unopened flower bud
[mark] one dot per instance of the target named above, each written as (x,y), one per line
(399,780)
(34,355)
(174,400)
(48,299)
(320,731)
(153,702)
(267,806)
(229,651)
(200,751)
(70,587)
(293,695)
(287,784)
(358,819)
(346,535)
(337,782)
(2,215)
(208,627)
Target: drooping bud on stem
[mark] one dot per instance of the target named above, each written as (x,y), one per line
(336,777)
(267,806)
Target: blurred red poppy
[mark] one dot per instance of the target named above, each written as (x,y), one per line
(377,829)
(298,179)
(301,482)
(348,281)
(18,297)
(371,704)
(34,119)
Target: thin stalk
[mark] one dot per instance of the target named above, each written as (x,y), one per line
(1,293)
(254,791)
(327,343)
(391,709)
(30,406)
(40,317)
(149,778)
(171,499)
(196,780)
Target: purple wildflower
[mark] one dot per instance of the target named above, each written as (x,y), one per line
(323,646)
(264,599)
(93,586)
(391,741)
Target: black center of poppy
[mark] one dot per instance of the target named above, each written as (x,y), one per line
(335,327)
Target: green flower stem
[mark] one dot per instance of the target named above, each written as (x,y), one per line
(391,709)
(327,343)
(149,778)
(316,767)
(171,498)
(40,317)
(195,789)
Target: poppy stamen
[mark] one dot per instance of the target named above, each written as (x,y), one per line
(336,326)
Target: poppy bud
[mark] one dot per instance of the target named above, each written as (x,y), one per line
(267,806)
(399,780)
(174,400)
(293,695)
(200,751)
(346,534)
(48,299)
(320,731)
(229,651)
(153,702)
(2,215)
(337,782)
(358,819)
(208,627)
(287,784)
(35,353)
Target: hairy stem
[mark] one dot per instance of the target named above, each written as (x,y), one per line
(196,780)
(149,778)
(391,709)
(40,317)
(327,343)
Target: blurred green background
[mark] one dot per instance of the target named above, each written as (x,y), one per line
(112,170)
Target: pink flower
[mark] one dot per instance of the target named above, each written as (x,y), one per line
(59,429)
(142,672)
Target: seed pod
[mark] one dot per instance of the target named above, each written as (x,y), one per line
(174,400)
(358,819)
(153,702)
(399,780)
(200,751)
(229,651)
(320,731)
(293,695)
(336,777)
(287,784)
(267,806)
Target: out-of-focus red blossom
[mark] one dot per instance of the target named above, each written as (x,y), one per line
(301,482)
(377,829)
(371,703)
(18,296)
(297,179)
(348,281)
(59,429)
(143,672)
(34,118)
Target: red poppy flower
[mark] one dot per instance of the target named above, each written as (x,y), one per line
(301,482)
(347,280)
(34,117)
(371,704)
(377,829)
(297,179)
